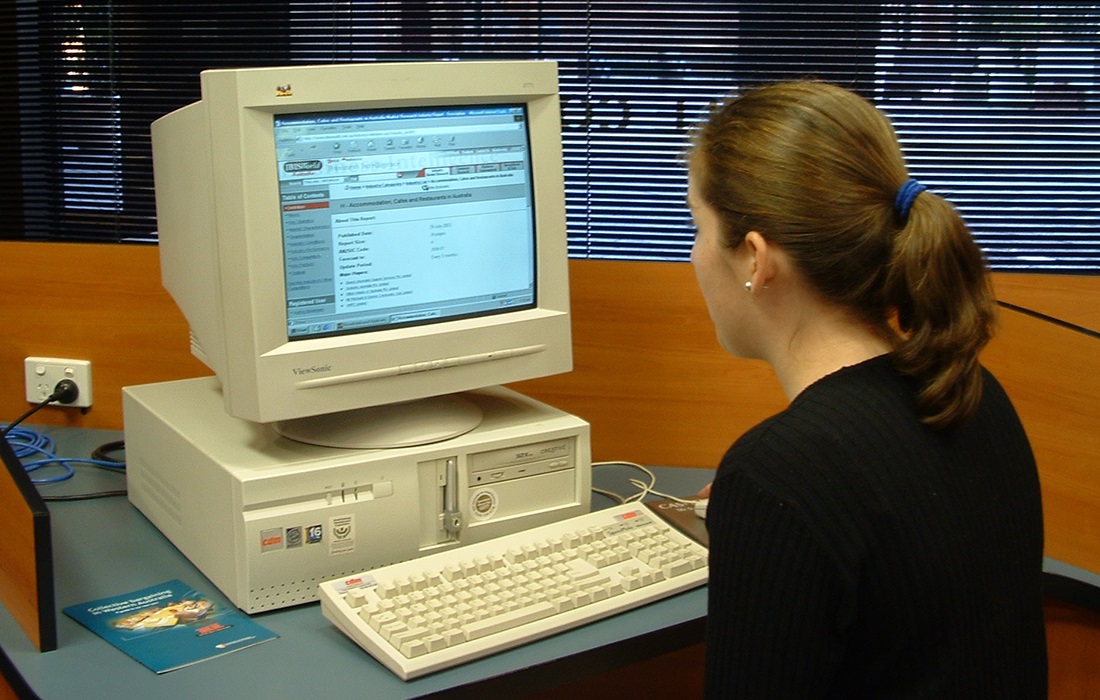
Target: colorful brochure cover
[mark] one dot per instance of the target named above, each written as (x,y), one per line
(169,626)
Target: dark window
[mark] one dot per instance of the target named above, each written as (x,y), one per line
(996,103)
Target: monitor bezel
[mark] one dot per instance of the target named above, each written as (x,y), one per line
(265,376)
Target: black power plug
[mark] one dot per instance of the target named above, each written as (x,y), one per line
(65,391)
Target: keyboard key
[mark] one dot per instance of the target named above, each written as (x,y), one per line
(508,620)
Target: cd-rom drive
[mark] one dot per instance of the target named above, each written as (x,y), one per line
(267,518)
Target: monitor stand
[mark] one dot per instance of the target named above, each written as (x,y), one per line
(405,424)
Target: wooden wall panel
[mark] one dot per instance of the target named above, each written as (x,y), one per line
(26,554)
(95,302)
(649,375)
(1053,376)
(1073,649)
(1072,299)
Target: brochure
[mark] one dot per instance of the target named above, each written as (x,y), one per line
(169,626)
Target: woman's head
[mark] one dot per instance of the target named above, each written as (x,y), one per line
(815,169)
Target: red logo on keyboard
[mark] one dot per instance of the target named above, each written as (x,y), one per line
(353,581)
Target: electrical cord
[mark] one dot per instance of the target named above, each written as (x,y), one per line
(103,452)
(65,391)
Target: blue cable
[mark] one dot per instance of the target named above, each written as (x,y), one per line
(27,443)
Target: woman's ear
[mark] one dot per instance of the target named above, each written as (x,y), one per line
(763,259)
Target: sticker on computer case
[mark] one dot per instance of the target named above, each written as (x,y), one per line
(271,539)
(483,504)
(314,533)
(293,537)
(341,531)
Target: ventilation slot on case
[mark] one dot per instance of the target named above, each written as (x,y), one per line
(290,593)
(162,493)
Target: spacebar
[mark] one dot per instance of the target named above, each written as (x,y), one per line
(508,620)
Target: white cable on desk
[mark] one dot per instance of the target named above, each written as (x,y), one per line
(644,489)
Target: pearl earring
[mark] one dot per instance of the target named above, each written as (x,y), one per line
(748,287)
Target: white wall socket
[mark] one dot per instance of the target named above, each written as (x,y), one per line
(43,373)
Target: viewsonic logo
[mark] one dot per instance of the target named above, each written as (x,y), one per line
(315,369)
(283,91)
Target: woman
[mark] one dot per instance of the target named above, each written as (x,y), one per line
(882,536)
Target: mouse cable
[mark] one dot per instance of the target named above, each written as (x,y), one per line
(644,489)
(648,489)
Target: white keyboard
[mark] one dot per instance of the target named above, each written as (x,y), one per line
(450,607)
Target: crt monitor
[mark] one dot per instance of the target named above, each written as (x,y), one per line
(354,245)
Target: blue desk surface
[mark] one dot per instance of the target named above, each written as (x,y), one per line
(106,547)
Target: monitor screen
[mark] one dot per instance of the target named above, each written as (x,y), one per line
(353,243)
(386,212)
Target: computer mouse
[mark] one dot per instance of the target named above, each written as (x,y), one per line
(701,507)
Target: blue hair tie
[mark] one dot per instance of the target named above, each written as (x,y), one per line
(904,200)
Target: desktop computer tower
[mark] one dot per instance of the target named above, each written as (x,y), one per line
(267,519)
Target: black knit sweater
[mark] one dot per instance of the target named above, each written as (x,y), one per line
(856,553)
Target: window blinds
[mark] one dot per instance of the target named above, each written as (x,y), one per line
(996,103)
